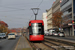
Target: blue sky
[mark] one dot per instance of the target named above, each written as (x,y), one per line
(16,13)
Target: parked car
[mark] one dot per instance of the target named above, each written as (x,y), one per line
(51,32)
(46,33)
(16,35)
(2,35)
(61,34)
(11,35)
(55,33)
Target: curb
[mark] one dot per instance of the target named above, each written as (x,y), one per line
(17,43)
(28,43)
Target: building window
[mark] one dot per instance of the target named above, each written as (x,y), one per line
(70,10)
(64,2)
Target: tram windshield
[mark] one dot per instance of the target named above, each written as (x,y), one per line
(37,28)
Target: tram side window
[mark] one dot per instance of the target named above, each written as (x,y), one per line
(30,30)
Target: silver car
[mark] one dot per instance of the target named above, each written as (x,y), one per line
(61,34)
(2,35)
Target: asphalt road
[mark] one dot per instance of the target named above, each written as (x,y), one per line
(10,44)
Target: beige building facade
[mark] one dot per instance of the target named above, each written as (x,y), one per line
(56,6)
(49,21)
(44,16)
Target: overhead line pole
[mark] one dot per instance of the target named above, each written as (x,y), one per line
(35,13)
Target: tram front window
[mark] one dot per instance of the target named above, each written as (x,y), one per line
(37,28)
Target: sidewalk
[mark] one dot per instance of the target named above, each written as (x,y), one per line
(72,37)
(22,44)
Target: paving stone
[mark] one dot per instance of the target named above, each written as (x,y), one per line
(23,44)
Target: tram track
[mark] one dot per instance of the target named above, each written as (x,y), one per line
(59,45)
(39,46)
(51,44)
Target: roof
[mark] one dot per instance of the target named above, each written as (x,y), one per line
(2,22)
(36,21)
(13,30)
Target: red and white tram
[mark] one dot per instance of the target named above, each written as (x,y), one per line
(35,30)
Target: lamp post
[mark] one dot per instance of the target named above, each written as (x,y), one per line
(35,11)
(73,17)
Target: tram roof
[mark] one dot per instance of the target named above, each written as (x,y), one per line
(36,21)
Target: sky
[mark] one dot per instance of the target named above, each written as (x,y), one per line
(17,13)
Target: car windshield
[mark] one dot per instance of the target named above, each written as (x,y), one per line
(3,34)
(11,34)
(54,32)
(61,32)
(0,34)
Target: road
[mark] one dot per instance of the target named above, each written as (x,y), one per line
(10,44)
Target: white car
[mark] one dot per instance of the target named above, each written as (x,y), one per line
(61,34)
(51,32)
(46,33)
(55,34)
(11,35)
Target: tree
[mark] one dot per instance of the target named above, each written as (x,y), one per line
(3,29)
(57,19)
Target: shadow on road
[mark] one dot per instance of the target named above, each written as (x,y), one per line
(1,47)
(36,41)
(12,39)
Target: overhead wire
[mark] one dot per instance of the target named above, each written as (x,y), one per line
(40,3)
(16,9)
(11,8)
(37,7)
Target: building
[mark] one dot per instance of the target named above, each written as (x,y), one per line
(3,23)
(56,6)
(45,21)
(66,8)
(49,21)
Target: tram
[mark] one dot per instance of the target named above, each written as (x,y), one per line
(35,31)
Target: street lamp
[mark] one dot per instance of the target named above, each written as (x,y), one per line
(73,17)
(35,11)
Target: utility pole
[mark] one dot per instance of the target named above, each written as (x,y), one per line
(35,11)
(73,17)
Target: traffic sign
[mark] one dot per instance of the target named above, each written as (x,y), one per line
(70,24)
